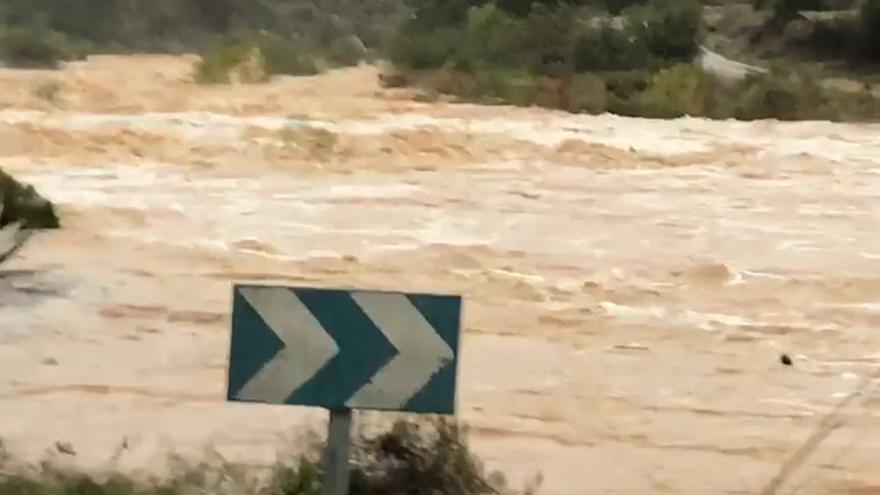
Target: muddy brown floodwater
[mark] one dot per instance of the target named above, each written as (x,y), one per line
(629,284)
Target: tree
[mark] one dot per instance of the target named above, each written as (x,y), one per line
(670,28)
(437,13)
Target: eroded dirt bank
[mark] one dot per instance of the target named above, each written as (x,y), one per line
(629,284)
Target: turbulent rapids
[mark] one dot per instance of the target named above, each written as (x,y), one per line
(630,284)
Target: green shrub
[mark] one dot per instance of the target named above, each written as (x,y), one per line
(784,96)
(516,87)
(253,58)
(217,63)
(548,37)
(424,50)
(187,25)
(434,14)
(413,458)
(488,85)
(615,7)
(449,81)
(349,50)
(285,57)
(588,52)
(303,479)
(417,459)
(625,83)
(669,28)
(88,19)
(588,94)
(559,55)
(678,91)
(493,39)
(523,7)
(601,48)
(672,92)
(33,48)
(520,89)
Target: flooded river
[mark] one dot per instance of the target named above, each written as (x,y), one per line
(629,284)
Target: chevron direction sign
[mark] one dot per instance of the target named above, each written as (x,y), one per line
(344,349)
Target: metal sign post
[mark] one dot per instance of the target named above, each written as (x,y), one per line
(344,350)
(336,467)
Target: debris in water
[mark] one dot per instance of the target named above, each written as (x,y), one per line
(65,448)
(631,347)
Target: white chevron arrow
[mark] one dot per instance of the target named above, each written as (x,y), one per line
(307,346)
(421,351)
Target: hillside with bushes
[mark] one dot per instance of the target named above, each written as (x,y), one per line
(295,35)
(631,58)
(628,57)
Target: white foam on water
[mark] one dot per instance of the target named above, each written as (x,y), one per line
(215,245)
(843,211)
(711,321)
(686,318)
(799,245)
(363,191)
(736,279)
(870,307)
(441,230)
(514,275)
(760,274)
(633,314)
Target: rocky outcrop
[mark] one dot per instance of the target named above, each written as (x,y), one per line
(21,204)
(21,210)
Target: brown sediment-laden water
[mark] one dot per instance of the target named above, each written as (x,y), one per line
(630,285)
